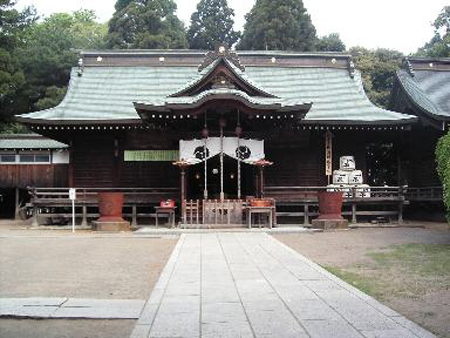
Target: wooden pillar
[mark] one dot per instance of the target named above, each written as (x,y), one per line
(17,203)
(400,213)
(257,192)
(354,219)
(305,214)
(183,195)
(134,215)
(261,178)
(399,167)
(71,165)
(117,163)
(84,215)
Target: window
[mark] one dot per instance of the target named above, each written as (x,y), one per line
(7,158)
(25,157)
(41,157)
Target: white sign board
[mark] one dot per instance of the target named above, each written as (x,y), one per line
(72,194)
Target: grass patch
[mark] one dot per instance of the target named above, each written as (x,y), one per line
(407,270)
(422,259)
(359,281)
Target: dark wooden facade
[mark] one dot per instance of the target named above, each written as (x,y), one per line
(42,175)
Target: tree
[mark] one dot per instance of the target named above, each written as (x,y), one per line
(278,24)
(330,43)
(443,168)
(439,45)
(12,79)
(49,53)
(378,69)
(211,24)
(146,24)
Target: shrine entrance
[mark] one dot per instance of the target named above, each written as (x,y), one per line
(196,179)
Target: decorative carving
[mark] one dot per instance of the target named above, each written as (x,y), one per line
(351,67)
(406,65)
(221,52)
(222,81)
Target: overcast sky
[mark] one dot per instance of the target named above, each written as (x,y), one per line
(404,25)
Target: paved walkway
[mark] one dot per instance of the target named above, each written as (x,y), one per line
(251,285)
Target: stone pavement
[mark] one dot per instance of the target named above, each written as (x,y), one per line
(55,307)
(251,285)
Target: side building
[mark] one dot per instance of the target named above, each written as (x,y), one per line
(422,88)
(29,160)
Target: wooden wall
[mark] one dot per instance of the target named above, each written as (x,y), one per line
(298,157)
(298,160)
(42,175)
(98,161)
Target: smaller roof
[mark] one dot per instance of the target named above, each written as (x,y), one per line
(426,83)
(28,141)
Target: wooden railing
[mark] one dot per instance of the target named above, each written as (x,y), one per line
(425,194)
(52,202)
(303,199)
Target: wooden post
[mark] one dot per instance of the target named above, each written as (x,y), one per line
(401,193)
(400,213)
(261,177)
(35,221)
(17,203)
(305,214)
(134,215)
(183,195)
(71,166)
(84,218)
(354,220)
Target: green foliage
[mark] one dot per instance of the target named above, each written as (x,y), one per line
(49,53)
(146,24)
(278,24)
(439,45)
(330,43)
(13,128)
(12,79)
(53,96)
(378,69)
(211,24)
(443,167)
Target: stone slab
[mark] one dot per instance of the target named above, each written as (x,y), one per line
(71,308)
(111,226)
(329,224)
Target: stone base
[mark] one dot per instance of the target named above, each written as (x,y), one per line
(111,226)
(329,224)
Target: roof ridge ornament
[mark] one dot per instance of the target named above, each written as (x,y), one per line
(351,67)
(222,51)
(406,65)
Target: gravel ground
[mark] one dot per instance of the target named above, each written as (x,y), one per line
(345,248)
(57,263)
(120,268)
(58,328)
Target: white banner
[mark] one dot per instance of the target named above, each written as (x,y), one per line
(249,151)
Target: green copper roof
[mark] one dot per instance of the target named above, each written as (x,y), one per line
(29,141)
(428,89)
(106,93)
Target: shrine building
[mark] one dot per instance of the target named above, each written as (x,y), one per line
(210,130)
